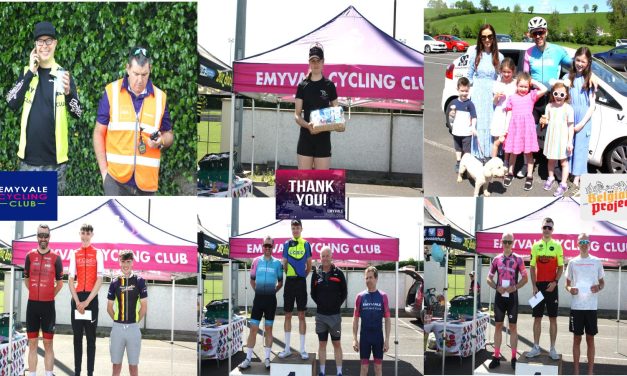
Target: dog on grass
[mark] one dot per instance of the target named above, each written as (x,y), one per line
(482,175)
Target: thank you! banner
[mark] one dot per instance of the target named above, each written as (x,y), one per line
(310,194)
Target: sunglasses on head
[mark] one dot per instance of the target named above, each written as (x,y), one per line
(487,37)
(584,242)
(538,33)
(43,235)
(547,228)
(508,242)
(559,94)
(142,51)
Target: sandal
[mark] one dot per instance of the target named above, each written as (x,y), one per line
(548,184)
(528,183)
(559,192)
(507,181)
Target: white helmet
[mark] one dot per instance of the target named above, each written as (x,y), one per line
(536,23)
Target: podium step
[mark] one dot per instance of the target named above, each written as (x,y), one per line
(541,364)
(293,365)
(504,369)
(256,369)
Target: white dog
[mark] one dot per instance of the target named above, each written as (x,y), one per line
(481,174)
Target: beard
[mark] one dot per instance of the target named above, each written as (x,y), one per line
(43,244)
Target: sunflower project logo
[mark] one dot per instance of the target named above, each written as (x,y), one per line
(28,195)
(603,197)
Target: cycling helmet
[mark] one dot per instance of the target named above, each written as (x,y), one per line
(536,23)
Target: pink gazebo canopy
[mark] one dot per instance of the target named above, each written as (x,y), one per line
(360,59)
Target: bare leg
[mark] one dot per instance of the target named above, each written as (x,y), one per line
(322,163)
(537,329)
(302,326)
(269,337)
(117,368)
(364,370)
(565,171)
(576,354)
(495,147)
(337,349)
(529,160)
(305,162)
(322,352)
(498,335)
(133,370)
(287,325)
(250,343)
(512,162)
(553,330)
(551,167)
(378,369)
(591,350)
(513,336)
(49,355)
(33,343)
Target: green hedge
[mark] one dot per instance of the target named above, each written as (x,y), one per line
(94,41)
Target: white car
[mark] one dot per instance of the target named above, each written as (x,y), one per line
(608,141)
(431,45)
(620,42)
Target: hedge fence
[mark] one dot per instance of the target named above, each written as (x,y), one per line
(94,42)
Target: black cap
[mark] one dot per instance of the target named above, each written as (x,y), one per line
(296,222)
(316,51)
(44,28)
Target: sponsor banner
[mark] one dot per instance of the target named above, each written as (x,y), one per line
(603,197)
(369,81)
(158,258)
(310,194)
(605,247)
(6,255)
(28,195)
(343,249)
(438,234)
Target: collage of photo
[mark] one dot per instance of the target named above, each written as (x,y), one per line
(418,183)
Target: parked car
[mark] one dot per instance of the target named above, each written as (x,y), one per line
(452,42)
(608,141)
(615,58)
(621,42)
(413,302)
(432,45)
(503,38)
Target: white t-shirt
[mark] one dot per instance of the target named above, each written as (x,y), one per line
(583,273)
(499,118)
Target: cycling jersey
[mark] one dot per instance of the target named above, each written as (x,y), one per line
(127,292)
(545,65)
(266,274)
(86,265)
(42,270)
(546,257)
(372,307)
(508,268)
(297,251)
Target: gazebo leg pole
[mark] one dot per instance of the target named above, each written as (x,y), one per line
(396,327)
(445,309)
(620,267)
(232,135)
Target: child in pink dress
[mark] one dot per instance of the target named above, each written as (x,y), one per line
(521,134)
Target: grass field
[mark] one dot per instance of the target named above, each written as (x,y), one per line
(593,49)
(209,135)
(1,298)
(457,285)
(502,21)
(213,288)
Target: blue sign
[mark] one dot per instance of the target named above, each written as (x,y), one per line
(28,195)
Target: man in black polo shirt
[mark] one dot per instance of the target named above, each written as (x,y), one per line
(328,290)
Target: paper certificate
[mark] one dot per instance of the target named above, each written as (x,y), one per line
(505,284)
(84,316)
(584,288)
(537,298)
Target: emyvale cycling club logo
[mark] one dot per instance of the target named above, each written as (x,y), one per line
(603,196)
(28,195)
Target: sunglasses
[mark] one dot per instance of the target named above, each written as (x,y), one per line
(487,37)
(584,242)
(550,228)
(267,246)
(43,235)
(142,51)
(538,33)
(559,94)
(508,242)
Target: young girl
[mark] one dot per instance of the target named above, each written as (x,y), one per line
(582,99)
(558,143)
(521,134)
(502,90)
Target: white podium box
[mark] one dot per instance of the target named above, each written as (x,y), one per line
(504,369)
(293,365)
(256,369)
(539,365)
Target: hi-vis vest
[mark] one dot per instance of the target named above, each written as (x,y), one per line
(123,157)
(60,118)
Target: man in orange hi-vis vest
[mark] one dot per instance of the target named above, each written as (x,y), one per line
(132,128)
(85,278)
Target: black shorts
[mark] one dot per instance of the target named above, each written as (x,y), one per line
(314,145)
(551,301)
(462,143)
(295,289)
(580,320)
(40,315)
(503,305)
(263,306)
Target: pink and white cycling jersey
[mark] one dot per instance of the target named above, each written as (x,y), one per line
(508,268)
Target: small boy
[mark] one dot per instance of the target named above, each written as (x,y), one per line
(463,118)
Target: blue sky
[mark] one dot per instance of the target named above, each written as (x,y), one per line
(548,6)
